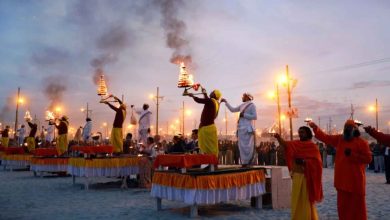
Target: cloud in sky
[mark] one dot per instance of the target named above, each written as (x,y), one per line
(370,84)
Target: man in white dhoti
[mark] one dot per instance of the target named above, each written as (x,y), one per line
(87,130)
(245,127)
(49,134)
(143,123)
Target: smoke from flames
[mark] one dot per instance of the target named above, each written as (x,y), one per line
(6,110)
(111,43)
(175,31)
(54,90)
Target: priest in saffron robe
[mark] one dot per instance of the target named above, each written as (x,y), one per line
(353,155)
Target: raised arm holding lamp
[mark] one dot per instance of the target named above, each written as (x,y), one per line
(117,129)
(208,136)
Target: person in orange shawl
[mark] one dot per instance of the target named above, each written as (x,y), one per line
(384,139)
(305,164)
(352,156)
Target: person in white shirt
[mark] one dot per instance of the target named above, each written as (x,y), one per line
(245,127)
(50,133)
(87,130)
(21,135)
(143,123)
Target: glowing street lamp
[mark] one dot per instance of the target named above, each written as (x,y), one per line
(20,100)
(290,83)
(374,108)
(275,95)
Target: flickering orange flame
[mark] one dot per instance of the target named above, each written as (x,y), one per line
(185,79)
(49,115)
(27,116)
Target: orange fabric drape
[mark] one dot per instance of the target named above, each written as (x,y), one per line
(308,151)
(104,162)
(209,182)
(26,157)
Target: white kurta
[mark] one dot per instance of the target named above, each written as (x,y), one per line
(50,133)
(245,130)
(22,134)
(87,130)
(143,124)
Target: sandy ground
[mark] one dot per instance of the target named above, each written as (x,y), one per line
(23,196)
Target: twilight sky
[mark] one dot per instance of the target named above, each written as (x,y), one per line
(338,50)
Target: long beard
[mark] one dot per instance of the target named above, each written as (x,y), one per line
(303,139)
(348,134)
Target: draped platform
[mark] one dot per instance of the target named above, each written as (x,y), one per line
(107,167)
(208,188)
(49,164)
(16,160)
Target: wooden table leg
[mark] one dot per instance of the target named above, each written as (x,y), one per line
(212,167)
(194,211)
(159,206)
(124,183)
(257,202)
(74,179)
(86,183)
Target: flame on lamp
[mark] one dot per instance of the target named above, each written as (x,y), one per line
(49,115)
(185,79)
(307,120)
(102,89)
(27,115)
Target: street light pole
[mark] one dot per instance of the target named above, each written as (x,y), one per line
(376,113)
(183,131)
(279,113)
(158,97)
(17,113)
(289,102)
(226,124)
